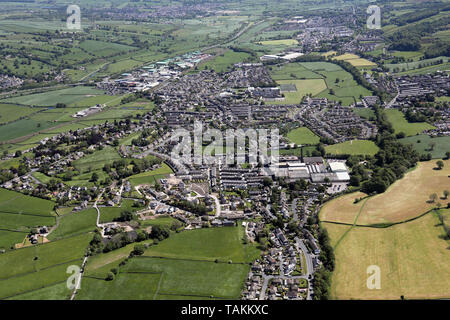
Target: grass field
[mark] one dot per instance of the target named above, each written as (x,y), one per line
(206,244)
(150,177)
(225,61)
(355,60)
(344,87)
(75,223)
(303,136)
(400,124)
(355,147)
(187,257)
(304,87)
(413,259)
(67,96)
(422,144)
(405,199)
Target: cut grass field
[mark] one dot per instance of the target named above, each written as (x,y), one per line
(355,147)
(400,124)
(413,259)
(303,136)
(355,60)
(284,42)
(406,199)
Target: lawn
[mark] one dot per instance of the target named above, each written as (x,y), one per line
(423,144)
(413,259)
(400,124)
(355,147)
(405,199)
(303,136)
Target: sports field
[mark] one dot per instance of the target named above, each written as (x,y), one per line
(405,199)
(303,136)
(400,124)
(355,147)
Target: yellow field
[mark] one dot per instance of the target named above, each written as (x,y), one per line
(413,257)
(285,42)
(361,62)
(347,56)
(355,60)
(405,199)
(329,53)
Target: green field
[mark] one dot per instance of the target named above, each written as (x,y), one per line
(206,244)
(423,144)
(74,223)
(225,61)
(187,257)
(150,177)
(339,84)
(304,87)
(400,124)
(67,96)
(355,147)
(303,136)
(108,214)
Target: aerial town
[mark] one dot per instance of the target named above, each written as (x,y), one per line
(357,133)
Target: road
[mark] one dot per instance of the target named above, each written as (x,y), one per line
(96,208)
(309,264)
(218,209)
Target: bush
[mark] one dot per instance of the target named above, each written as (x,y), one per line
(110,276)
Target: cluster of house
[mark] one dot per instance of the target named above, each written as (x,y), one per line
(412,87)
(335,122)
(9,82)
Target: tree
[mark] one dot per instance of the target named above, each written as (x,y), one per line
(446,193)
(433,197)
(440,164)
(94,177)
(110,276)
(139,250)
